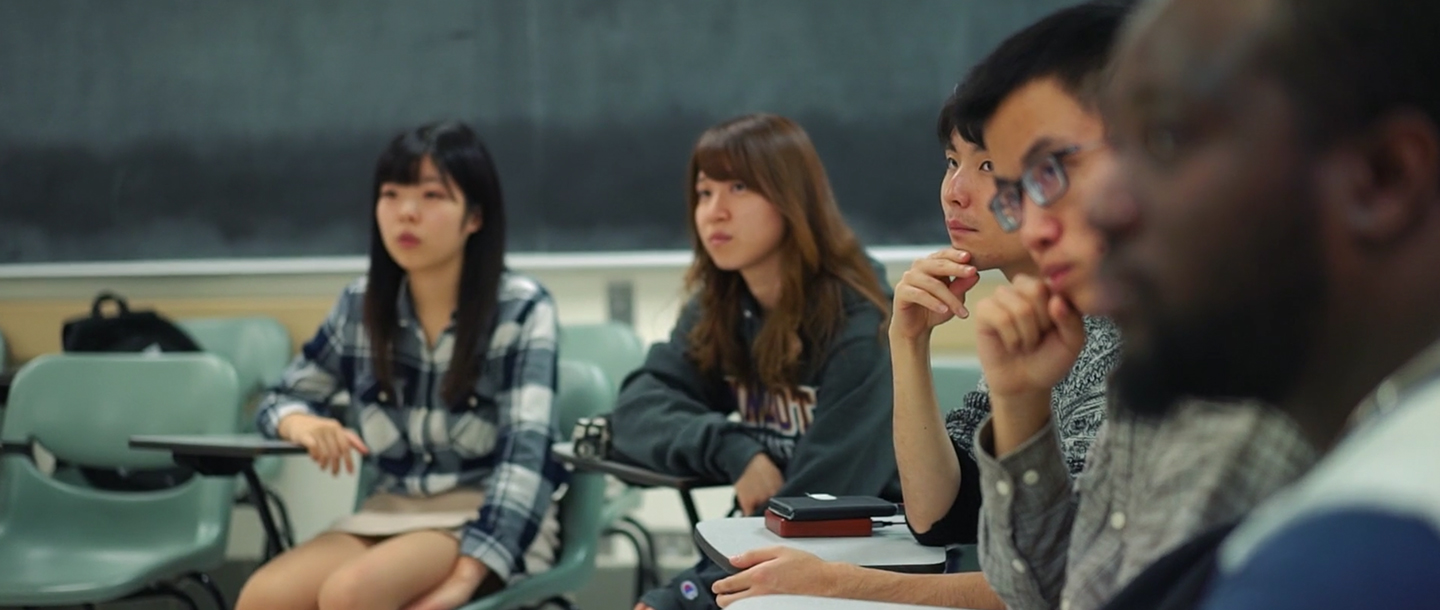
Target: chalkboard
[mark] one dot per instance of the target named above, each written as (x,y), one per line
(171,129)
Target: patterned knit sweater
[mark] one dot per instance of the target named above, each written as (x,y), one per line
(1078,401)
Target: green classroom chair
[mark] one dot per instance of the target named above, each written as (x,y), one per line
(618,351)
(584,391)
(63,544)
(259,348)
(612,346)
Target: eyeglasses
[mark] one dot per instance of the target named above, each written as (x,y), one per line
(1045,183)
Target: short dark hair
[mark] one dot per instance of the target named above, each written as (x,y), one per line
(1346,63)
(1072,45)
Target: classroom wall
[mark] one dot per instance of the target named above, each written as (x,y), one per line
(32,310)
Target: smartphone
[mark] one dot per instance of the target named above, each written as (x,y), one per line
(821,507)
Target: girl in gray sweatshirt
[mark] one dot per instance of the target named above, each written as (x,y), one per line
(776,377)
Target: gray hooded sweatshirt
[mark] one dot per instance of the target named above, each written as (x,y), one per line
(828,433)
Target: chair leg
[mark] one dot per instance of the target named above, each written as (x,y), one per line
(640,567)
(210,587)
(175,592)
(654,562)
(286,529)
(647,567)
(272,499)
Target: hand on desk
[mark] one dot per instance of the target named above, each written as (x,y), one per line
(761,479)
(777,570)
(328,441)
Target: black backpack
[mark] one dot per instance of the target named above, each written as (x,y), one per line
(127,331)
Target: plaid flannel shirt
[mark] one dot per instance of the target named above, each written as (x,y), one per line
(496,440)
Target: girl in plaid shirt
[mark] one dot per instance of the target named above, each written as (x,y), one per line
(447,361)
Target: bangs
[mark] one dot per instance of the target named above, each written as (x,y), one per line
(399,170)
(401,162)
(723,156)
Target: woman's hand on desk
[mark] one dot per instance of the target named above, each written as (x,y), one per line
(777,570)
(328,442)
(761,479)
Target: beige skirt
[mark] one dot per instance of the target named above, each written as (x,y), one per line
(383,515)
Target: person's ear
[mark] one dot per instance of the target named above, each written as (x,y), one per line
(473,222)
(1390,178)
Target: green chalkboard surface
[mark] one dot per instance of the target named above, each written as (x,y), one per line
(170,129)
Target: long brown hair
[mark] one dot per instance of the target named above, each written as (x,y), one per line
(819,256)
(460,156)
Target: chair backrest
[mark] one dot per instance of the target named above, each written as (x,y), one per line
(84,407)
(954,379)
(612,346)
(258,347)
(584,390)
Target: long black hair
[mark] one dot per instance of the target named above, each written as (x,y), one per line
(461,158)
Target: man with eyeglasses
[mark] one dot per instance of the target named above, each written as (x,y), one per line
(1150,483)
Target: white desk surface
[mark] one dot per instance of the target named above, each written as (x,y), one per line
(891,547)
(806,602)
